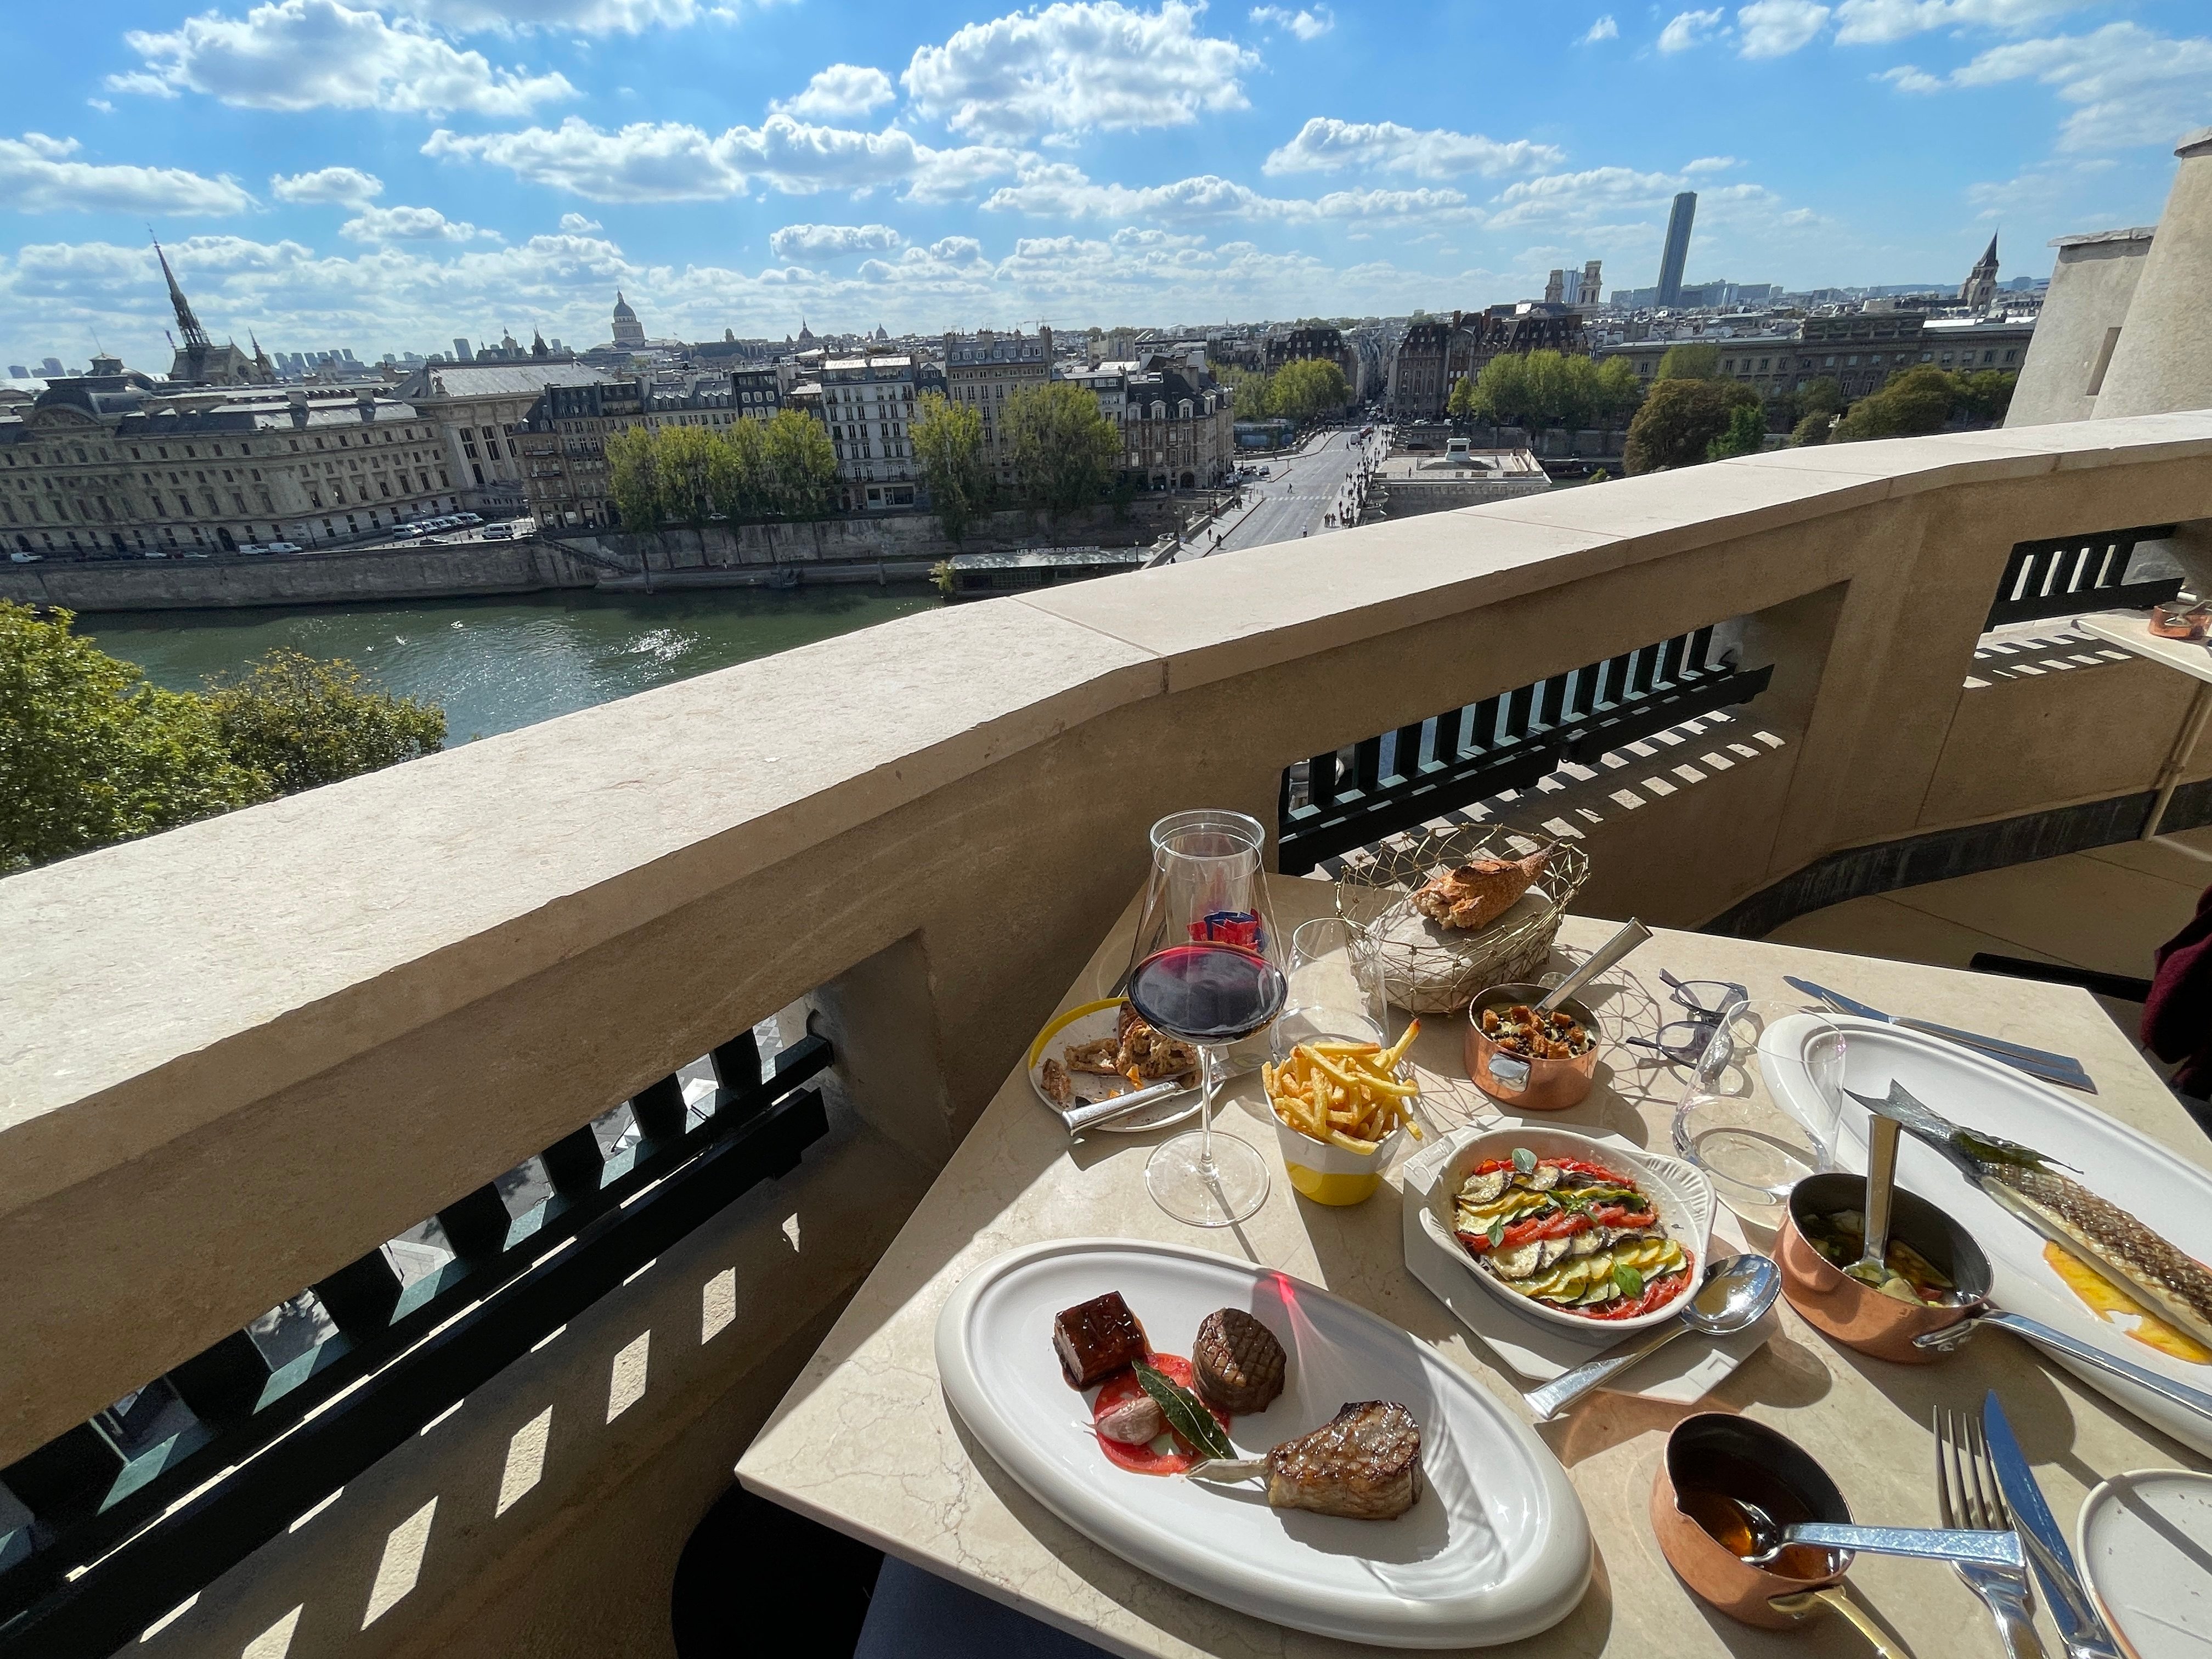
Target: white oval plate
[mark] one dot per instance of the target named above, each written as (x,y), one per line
(1497,1549)
(2144,1543)
(1084,1023)
(1679,1189)
(2168,1193)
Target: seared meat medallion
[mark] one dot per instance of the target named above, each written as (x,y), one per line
(1365,1464)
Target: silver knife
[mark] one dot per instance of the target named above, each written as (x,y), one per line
(2079,1624)
(2062,1069)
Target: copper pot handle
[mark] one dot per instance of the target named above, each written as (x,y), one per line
(1838,1597)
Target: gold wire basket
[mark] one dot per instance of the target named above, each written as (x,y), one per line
(1428,969)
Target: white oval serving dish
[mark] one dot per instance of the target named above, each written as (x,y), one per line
(1679,1191)
(1497,1549)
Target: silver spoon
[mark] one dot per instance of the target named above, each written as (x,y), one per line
(1990,1549)
(1633,933)
(1737,1293)
(1881,1189)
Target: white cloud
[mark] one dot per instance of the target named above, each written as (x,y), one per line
(1686,28)
(575,224)
(1604,29)
(578,16)
(39,175)
(1876,22)
(347,186)
(1905,78)
(311,54)
(674,161)
(1306,24)
(800,243)
(1075,66)
(1325,144)
(1710,164)
(409,224)
(1058,191)
(841,92)
(1775,28)
(2132,87)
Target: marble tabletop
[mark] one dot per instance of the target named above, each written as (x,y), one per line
(865,1442)
(2131,631)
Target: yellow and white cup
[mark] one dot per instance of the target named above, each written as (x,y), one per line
(1329,1174)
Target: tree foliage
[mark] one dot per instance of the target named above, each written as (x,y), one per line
(1919,401)
(1547,388)
(92,754)
(948,440)
(302,723)
(1310,387)
(1813,429)
(1746,433)
(1066,450)
(1679,419)
(1822,396)
(785,468)
(1691,360)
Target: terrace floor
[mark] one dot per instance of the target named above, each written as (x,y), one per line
(2107,909)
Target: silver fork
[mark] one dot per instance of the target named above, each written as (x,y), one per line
(1967,1493)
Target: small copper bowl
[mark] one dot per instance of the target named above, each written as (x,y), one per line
(1855,1314)
(1716,1452)
(2177,621)
(1533,1085)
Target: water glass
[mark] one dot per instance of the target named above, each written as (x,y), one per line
(1763,1105)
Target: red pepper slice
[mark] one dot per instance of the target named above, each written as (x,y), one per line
(1143,1460)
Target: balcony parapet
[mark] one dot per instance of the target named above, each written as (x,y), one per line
(241,1053)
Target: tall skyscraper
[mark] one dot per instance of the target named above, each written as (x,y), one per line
(461,352)
(1678,248)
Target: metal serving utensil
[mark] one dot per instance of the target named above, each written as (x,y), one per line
(1737,1291)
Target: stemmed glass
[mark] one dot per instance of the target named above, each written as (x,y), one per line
(1205,967)
(1757,1117)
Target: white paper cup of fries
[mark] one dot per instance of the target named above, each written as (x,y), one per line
(1341,1107)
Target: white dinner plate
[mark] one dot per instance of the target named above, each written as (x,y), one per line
(1497,1549)
(2144,1544)
(1087,1023)
(2168,1193)
(1537,1351)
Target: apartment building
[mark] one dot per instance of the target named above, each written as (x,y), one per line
(985,368)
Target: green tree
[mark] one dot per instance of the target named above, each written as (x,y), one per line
(802,464)
(1310,387)
(1619,390)
(1254,394)
(1502,391)
(92,754)
(1066,450)
(632,479)
(1692,361)
(300,723)
(948,440)
(1813,429)
(742,475)
(1746,433)
(1679,418)
(1919,401)
(1822,396)
(1986,395)
(685,462)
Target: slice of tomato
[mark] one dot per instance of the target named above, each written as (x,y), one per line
(1143,1460)
(1657,1294)
(1620,1215)
(1553,1223)
(1595,1171)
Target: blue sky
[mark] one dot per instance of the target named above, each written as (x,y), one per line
(388,173)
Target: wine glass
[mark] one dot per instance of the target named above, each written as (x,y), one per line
(1764,1104)
(1205,967)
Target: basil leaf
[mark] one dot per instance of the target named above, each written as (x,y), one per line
(1524,1160)
(1186,1413)
(1496,1234)
(1630,1280)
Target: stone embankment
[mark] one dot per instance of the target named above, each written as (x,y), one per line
(902,548)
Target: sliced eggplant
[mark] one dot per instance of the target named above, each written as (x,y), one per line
(1543,1178)
(1485,1188)
(1518,1262)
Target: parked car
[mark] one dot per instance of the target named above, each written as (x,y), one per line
(155,553)
(468,518)
(409,531)
(498,532)
(284,547)
(23,558)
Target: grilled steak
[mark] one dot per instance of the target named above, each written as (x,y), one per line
(1096,1337)
(1365,1464)
(1239,1363)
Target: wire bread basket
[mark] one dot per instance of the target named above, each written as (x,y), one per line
(1427,968)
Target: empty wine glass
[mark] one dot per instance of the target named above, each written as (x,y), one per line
(1205,966)
(1763,1103)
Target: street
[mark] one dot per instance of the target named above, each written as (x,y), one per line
(1298,495)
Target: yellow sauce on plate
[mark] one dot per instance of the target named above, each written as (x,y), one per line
(2115,1305)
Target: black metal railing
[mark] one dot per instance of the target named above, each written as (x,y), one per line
(1401,778)
(252,1439)
(2071,573)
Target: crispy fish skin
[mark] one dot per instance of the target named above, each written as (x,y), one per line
(1363,1465)
(2176,1285)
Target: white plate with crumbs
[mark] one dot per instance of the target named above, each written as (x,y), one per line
(2144,1542)
(1496,1549)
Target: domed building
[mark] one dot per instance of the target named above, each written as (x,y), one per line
(628,332)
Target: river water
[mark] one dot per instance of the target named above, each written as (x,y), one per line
(496,664)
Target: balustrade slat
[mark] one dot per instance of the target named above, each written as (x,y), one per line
(1321,780)
(660,1109)
(1367,765)
(476,1225)
(1406,759)
(1517,705)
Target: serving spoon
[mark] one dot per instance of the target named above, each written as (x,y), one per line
(1737,1291)
(1983,1548)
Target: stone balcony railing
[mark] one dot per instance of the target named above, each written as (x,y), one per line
(235,1060)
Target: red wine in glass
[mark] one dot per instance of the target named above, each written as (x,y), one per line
(1207,993)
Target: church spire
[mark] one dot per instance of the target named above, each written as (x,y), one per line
(187,325)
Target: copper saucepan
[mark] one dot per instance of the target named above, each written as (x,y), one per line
(1713,1456)
(1851,1311)
(1533,1085)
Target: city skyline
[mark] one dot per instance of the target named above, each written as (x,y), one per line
(328,173)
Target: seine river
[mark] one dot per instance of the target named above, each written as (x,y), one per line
(496,664)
